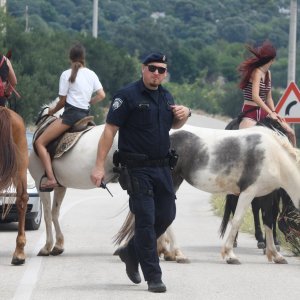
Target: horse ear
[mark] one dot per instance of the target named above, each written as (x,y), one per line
(9,53)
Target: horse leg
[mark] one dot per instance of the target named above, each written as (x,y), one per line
(232,202)
(230,206)
(163,245)
(174,253)
(59,194)
(21,203)
(46,201)
(242,205)
(270,210)
(275,212)
(256,206)
(271,250)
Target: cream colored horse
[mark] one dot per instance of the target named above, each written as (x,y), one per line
(72,170)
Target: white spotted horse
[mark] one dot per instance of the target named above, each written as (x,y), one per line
(268,204)
(72,170)
(250,163)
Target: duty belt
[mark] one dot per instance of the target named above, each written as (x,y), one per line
(136,160)
(164,162)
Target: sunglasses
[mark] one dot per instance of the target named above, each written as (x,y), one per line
(152,69)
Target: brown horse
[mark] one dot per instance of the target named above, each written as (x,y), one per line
(13,171)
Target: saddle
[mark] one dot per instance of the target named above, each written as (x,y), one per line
(66,141)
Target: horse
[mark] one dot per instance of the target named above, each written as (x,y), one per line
(13,172)
(250,163)
(268,206)
(69,175)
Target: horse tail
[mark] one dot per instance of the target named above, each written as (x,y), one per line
(126,231)
(230,206)
(8,161)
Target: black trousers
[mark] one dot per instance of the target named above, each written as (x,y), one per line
(153,203)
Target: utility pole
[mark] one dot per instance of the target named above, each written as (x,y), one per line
(3,8)
(26,19)
(292,45)
(292,42)
(3,4)
(95,18)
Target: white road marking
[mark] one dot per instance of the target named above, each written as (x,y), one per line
(33,265)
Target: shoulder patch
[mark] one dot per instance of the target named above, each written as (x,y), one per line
(117,103)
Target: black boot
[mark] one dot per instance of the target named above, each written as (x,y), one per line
(156,286)
(132,268)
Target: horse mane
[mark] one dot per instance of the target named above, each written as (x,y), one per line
(281,139)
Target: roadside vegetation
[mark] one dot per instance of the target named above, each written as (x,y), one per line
(204,40)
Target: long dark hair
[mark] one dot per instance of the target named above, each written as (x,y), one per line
(262,55)
(77,57)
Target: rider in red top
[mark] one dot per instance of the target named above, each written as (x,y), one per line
(256,86)
(8,79)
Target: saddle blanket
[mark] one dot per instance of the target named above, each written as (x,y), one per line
(68,140)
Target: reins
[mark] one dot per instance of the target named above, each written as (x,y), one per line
(40,116)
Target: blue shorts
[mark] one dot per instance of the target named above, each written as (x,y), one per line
(2,101)
(73,114)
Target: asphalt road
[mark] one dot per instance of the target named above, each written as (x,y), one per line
(88,270)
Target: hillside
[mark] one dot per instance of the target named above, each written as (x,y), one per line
(204,41)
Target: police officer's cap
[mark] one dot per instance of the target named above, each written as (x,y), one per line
(155,57)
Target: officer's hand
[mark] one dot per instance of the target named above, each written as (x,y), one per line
(180,112)
(97,176)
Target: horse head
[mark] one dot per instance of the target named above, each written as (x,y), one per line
(43,113)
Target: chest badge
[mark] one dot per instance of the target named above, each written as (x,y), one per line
(117,103)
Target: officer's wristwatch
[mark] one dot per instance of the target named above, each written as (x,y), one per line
(190,112)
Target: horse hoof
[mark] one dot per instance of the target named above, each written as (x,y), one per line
(183,260)
(233,261)
(261,245)
(56,251)
(169,258)
(43,253)
(17,261)
(281,261)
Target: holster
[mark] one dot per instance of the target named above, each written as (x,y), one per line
(173,158)
(124,178)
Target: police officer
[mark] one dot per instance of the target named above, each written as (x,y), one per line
(144,112)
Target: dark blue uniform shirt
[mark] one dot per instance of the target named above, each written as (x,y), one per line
(144,117)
